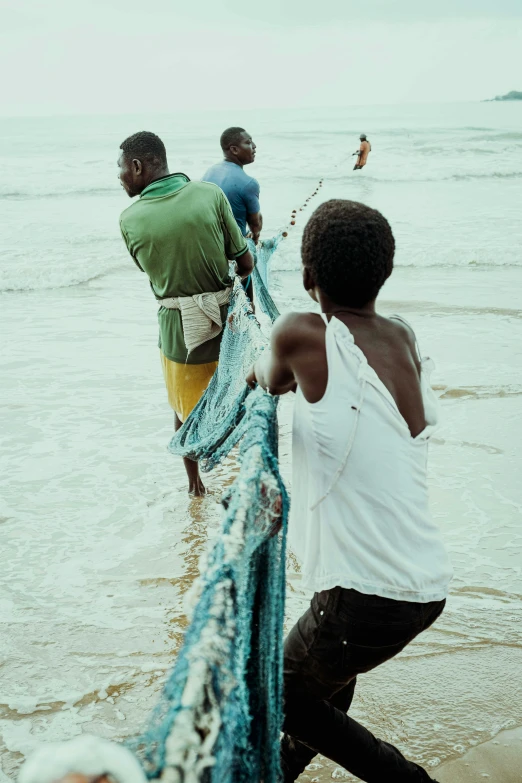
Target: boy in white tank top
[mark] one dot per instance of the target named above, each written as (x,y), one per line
(360,520)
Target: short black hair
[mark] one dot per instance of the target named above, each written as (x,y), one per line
(349,249)
(145,146)
(231,137)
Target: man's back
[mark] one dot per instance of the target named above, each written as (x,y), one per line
(177,239)
(241,190)
(182,234)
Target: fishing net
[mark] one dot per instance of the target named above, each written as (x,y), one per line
(219,717)
(218,423)
(261,274)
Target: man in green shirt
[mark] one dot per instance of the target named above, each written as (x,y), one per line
(183,235)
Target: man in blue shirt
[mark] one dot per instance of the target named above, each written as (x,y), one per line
(241,190)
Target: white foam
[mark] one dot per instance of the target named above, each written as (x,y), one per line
(86,755)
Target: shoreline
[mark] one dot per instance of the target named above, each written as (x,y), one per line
(498,760)
(101,539)
(131,549)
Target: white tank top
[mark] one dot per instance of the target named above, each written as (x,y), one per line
(360,514)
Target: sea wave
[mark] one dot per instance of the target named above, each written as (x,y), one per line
(490,175)
(431,150)
(28,277)
(471,264)
(58,193)
(287,265)
(499,136)
(345,172)
(346,175)
(287,258)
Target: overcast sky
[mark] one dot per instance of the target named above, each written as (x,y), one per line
(122,56)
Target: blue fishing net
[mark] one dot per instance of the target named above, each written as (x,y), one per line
(219,717)
(217,423)
(262,253)
(220,714)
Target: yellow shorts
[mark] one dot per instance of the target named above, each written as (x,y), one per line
(185,384)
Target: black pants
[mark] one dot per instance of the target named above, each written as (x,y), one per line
(343,634)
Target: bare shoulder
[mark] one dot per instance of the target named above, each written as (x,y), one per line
(402,327)
(294,323)
(293,329)
(405,333)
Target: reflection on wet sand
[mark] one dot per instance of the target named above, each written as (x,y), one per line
(478,392)
(436,308)
(95,584)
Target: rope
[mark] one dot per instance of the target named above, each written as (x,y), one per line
(293,218)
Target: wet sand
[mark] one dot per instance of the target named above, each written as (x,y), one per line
(496,761)
(101,541)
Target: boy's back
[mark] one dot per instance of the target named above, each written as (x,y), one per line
(182,235)
(360,440)
(388,345)
(360,521)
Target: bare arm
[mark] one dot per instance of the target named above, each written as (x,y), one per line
(255,223)
(273,370)
(244,264)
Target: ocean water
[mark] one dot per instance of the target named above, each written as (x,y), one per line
(99,539)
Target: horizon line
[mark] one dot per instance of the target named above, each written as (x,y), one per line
(214,110)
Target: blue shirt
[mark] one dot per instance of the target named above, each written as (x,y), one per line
(241,190)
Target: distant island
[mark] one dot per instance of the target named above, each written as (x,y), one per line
(510,96)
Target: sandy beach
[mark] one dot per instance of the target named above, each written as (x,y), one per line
(497,760)
(101,542)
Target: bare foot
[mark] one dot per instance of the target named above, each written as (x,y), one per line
(197,488)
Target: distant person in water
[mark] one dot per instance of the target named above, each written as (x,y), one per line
(362,153)
(360,521)
(241,190)
(183,235)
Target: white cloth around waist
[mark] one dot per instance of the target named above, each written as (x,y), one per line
(200,315)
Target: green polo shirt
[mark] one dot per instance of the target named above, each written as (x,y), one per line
(182,235)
